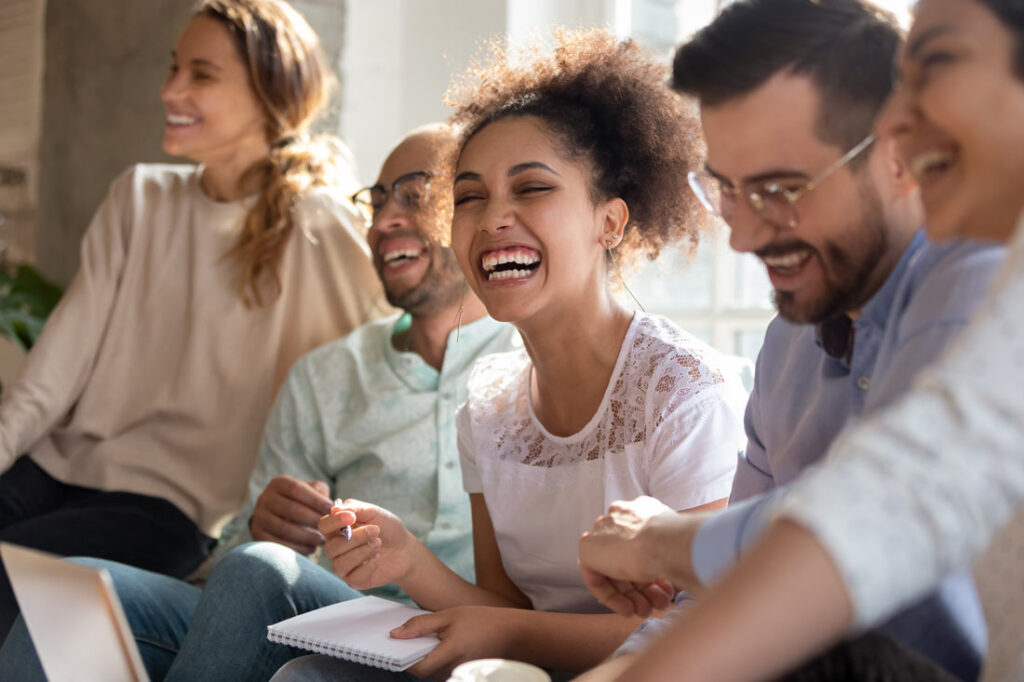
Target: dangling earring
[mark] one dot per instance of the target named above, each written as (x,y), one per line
(618,272)
(458,313)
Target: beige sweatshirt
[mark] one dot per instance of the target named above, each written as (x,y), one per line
(152,376)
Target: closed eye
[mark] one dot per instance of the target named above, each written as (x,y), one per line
(461,199)
(935,58)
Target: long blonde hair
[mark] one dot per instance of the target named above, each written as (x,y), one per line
(289,73)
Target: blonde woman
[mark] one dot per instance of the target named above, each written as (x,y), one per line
(132,431)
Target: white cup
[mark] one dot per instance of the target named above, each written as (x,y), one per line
(498,670)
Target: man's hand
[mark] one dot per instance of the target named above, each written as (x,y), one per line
(638,554)
(379,551)
(287,513)
(466,633)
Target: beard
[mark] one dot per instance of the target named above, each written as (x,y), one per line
(850,265)
(441,287)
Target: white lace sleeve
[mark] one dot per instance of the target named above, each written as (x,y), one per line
(694,414)
(480,422)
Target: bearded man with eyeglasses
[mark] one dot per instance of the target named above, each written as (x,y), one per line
(788,93)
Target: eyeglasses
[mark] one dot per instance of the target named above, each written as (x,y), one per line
(772,201)
(410,192)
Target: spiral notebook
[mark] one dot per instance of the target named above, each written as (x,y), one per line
(356,630)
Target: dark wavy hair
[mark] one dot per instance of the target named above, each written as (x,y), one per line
(605,102)
(1011,14)
(846,47)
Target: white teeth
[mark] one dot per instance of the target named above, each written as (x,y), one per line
(788,260)
(391,256)
(508,274)
(491,261)
(180,120)
(927,161)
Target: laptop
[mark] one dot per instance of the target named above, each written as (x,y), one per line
(75,618)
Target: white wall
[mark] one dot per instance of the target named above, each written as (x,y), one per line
(399,56)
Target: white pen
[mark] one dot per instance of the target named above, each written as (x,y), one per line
(346,532)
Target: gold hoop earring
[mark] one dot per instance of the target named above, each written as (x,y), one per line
(618,272)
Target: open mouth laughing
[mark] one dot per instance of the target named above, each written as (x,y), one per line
(398,254)
(510,263)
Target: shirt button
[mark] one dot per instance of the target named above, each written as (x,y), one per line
(449,465)
(864,383)
(445,525)
(446,396)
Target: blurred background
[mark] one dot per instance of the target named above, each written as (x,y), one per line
(79,101)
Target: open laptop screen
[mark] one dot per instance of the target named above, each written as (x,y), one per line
(74,617)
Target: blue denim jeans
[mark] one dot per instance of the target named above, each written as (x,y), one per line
(218,633)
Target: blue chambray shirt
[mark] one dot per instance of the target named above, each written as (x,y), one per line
(378,425)
(803,397)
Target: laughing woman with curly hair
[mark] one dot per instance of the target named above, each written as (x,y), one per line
(563,158)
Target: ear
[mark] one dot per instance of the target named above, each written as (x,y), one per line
(614,217)
(902,179)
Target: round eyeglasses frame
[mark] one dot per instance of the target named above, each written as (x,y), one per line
(410,191)
(769,200)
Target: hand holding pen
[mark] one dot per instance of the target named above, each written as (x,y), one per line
(367,545)
(346,532)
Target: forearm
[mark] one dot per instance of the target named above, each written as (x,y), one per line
(609,669)
(434,586)
(566,641)
(782,603)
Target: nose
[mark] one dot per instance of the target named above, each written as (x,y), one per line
(391,216)
(497,216)
(172,89)
(748,231)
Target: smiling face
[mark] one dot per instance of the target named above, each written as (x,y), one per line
(213,114)
(419,275)
(841,249)
(957,120)
(526,231)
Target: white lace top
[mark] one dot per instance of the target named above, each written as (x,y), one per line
(669,425)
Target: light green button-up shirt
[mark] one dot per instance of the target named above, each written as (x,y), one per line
(378,425)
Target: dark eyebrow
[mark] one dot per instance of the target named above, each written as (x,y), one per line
(514,170)
(205,62)
(766,176)
(530,165)
(410,176)
(914,46)
(468,175)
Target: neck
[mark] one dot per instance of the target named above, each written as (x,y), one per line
(899,240)
(234,175)
(427,336)
(573,354)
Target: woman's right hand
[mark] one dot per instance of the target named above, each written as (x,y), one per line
(379,551)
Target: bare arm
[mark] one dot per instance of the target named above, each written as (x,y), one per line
(780,605)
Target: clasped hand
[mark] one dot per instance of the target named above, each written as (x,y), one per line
(637,555)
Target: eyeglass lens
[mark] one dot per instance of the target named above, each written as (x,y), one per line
(409,192)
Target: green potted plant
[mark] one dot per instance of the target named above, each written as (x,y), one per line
(26,299)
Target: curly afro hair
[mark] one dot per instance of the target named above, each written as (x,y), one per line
(608,103)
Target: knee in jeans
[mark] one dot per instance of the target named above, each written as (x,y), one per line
(263,564)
